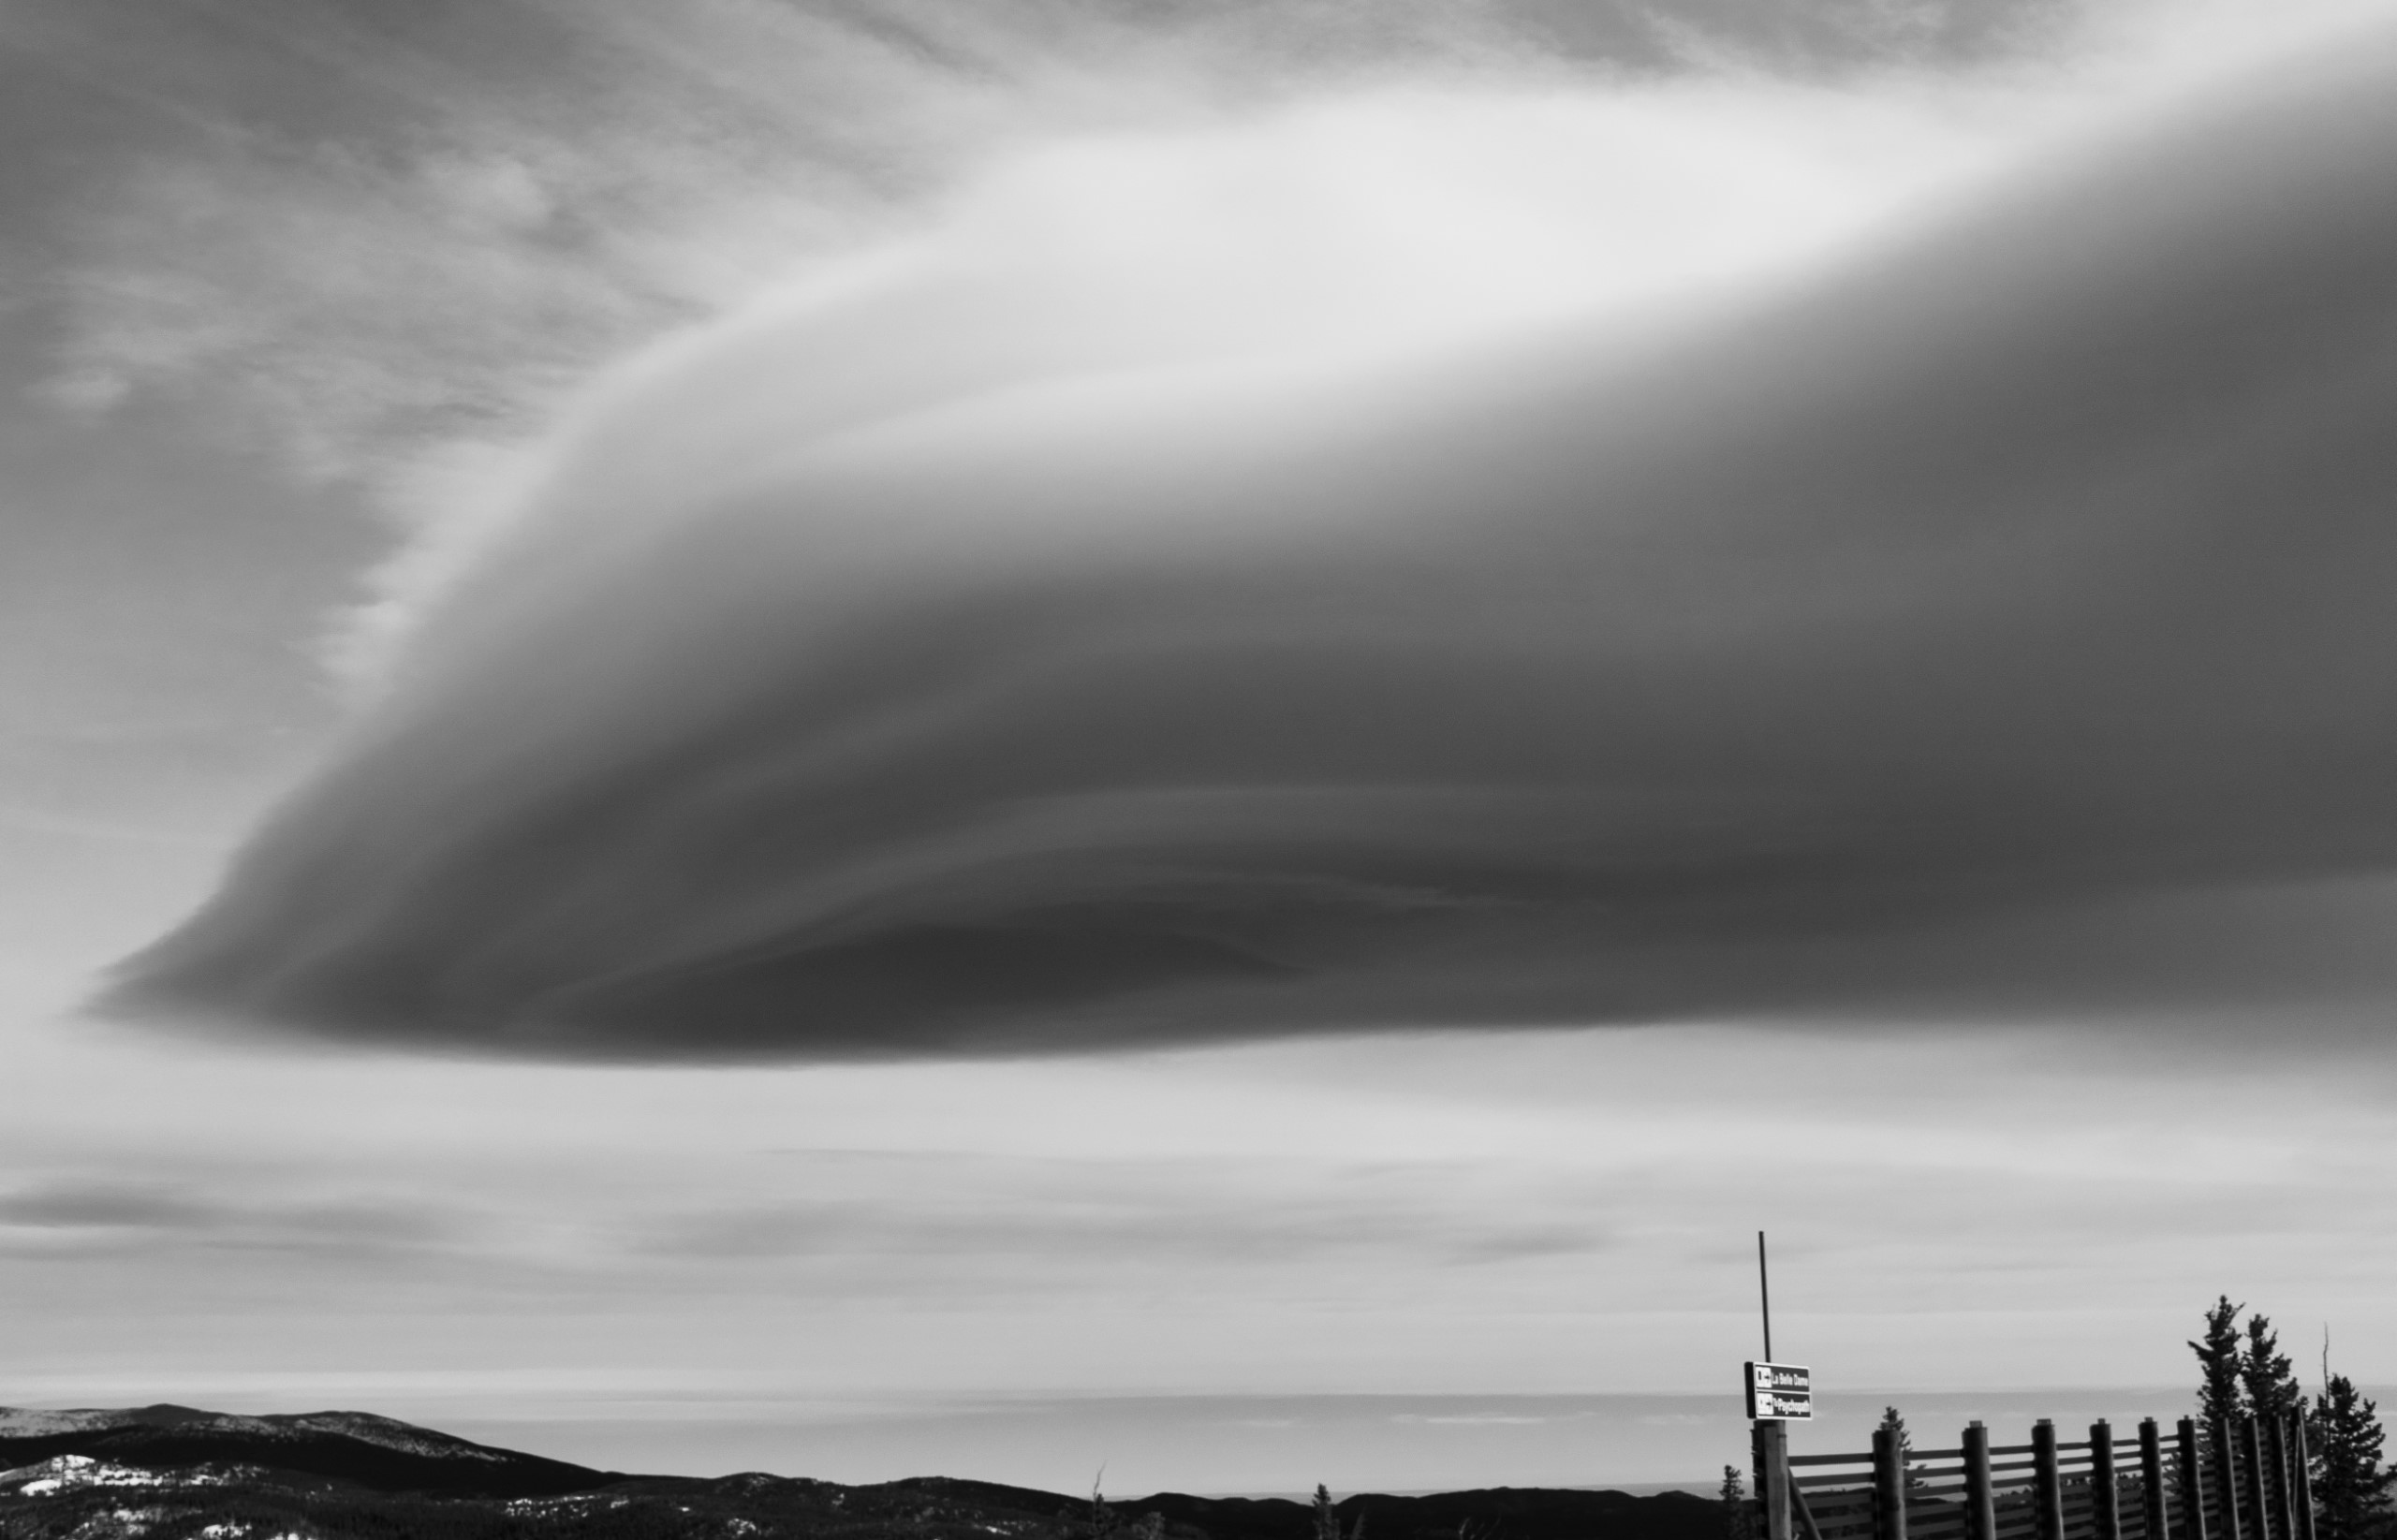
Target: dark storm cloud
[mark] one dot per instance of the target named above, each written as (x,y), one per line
(2001,625)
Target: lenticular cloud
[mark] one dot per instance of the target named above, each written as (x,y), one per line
(1998,624)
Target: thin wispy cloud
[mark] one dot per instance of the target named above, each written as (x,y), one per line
(98,1217)
(1254,1220)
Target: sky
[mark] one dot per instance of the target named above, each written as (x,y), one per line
(875,740)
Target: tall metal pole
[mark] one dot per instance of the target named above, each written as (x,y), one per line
(1764,1297)
(1773,1486)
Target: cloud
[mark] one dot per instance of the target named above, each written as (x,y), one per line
(1006,1234)
(988,1224)
(77,1216)
(1993,624)
(89,1206)
(369,247)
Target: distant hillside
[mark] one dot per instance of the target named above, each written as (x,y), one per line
(378,1453)
(171,1473)
(1499,1513)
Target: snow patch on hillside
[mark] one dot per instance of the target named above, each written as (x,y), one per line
(67,1471)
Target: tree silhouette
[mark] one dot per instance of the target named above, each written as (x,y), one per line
(2264,1372)
(1894,1421)
(2350,1489)
(1327,1520)
(1738,1523)
(2219,1361)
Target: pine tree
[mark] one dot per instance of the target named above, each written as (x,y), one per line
(2351,1496)
(1327,1520)
(2264,1372)
(1738,1523)
(2218,1364)
(1894,1422)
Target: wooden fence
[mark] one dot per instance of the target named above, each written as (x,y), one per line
(2239,1481)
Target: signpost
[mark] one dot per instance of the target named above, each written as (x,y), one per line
(1778,1395)
(1780,1391)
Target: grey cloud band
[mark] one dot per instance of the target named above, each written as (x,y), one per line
(2001,625)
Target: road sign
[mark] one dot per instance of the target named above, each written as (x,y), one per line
(1780,1392)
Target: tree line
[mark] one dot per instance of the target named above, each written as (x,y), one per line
(2241,1371)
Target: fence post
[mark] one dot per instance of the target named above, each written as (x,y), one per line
(2047,1481)
(1981,1498)
(1772,1476)
(2276,1451)
(1889,1486)
(2251,1461)
(2193,1484)
(2226,1481)
(2150,1480)
(2301,1468)
(2105,1498)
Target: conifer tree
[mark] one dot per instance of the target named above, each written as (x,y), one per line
(2344,1434)
(1327,1520)
(1894,1421)
(2264,1372)
(1738,1524)
(2219,1361)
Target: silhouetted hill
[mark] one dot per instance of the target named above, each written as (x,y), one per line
(173,1473)
(1495,1513)
(1499,1513)
(380,1453)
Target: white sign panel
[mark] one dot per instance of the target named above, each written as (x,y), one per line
(1780,1391)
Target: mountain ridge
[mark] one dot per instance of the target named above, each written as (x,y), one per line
(380,1453)
(337,1473)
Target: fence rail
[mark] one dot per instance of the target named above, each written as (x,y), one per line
(2242,1480)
